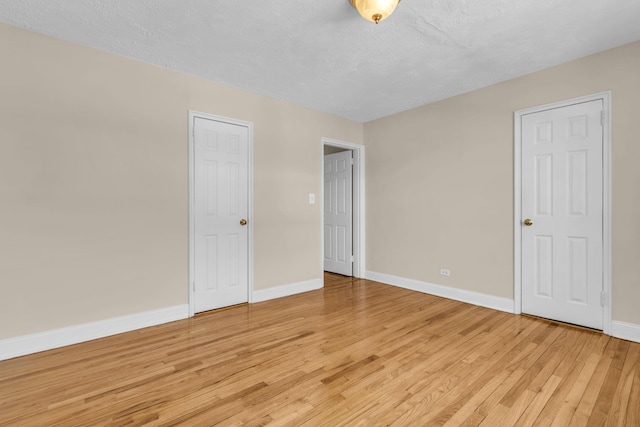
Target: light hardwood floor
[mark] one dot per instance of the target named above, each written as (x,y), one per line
(357,353)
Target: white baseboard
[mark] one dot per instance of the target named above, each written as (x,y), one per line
(286,290)
(47,340)
(34,343)
(483,300)
(625,331)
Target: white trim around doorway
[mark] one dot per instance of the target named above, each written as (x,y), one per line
(606,199)
(191,285)
(358,204)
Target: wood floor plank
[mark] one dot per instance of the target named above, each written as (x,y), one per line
(633,411)
(587,403)
(568,370)
(460,377)
(619,406)
(572,399)
(355,353)
(540,400)
(600,412)
(523,354)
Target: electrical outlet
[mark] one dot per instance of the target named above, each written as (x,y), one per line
(444,272)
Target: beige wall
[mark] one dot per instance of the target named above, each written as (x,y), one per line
(94,183)
(440,180)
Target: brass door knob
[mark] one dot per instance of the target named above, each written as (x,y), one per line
(243,221)
(528,222)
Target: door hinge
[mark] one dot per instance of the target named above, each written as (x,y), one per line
(352,258)
(603,298)
(351,161)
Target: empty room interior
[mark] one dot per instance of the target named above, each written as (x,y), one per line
(340,213)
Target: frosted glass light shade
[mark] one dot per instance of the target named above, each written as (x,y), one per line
(375,10)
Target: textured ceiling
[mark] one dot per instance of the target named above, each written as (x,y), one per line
(321,54)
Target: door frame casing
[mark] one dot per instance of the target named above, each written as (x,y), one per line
(191,284)
(358,207)
(606,198)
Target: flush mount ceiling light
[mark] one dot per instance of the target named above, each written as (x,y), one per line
(375,10)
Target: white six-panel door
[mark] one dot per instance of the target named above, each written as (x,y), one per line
(562,214)
(220,214)
(338,216)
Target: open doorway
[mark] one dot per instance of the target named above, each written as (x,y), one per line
(343,228)
(338,211)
